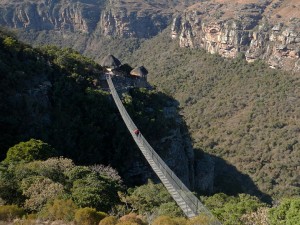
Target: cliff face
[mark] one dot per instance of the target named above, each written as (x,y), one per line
(267,30)
(278,45)
(110,18)
(50,15)
(229,29)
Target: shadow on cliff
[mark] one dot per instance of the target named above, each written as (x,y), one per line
(218,174)
(229,180)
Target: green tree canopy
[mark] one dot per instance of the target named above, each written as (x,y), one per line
(287,213)
(150,198)
(29,151)
(95,191)
(230,209)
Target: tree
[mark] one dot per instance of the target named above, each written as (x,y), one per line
(287,213)
(59,209)
(39,190)
(9,212)
(95,191)
(229,210)
(170,209)
(29,151)
(148,197)
(52,168)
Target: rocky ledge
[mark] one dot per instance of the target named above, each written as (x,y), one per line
(234,29)
(106,17)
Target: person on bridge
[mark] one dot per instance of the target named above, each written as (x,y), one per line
(137,132)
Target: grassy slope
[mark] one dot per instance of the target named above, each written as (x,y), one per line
(245,113)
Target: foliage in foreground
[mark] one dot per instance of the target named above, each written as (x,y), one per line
(43,181)
(99,188)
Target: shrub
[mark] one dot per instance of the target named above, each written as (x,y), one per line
(201,219)
(260,217)
(110,220)
(131,218)
(39,190)
(88,216)
(170,209)
(10,42)
(180,220)
(164,220)
(60,209)
(9,212)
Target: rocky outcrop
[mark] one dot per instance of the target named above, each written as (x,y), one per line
(118,23)
(109,18)
(278,45)
(50,15)
(239,29)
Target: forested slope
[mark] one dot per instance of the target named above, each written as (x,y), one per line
(54,95)
(245,113)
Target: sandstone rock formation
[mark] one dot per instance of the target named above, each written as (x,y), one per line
(108,17)
(232,28)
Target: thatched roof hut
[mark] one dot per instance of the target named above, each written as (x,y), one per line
(110,62)
(139,72)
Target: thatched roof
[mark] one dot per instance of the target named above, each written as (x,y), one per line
(139,71)
(111,62)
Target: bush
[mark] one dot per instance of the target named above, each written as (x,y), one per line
(180,220)
(170,209)
(9,212)
(110,220)
(201,219)
(39,190)
(88,216)
(164,220)
(60,209)
(131,218)
(29,151)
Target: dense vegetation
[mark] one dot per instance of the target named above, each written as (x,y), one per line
(53,94)
(52,106)
(244,113)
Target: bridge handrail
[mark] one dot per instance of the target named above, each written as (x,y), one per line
(190,199)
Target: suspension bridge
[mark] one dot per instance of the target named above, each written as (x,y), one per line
(186,200)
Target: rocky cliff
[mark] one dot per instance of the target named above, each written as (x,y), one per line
(254,29)
(108,17)
(267,30)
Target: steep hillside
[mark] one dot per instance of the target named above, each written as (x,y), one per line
(55,95)
(245,113)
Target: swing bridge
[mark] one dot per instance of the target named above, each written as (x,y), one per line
(185,199)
